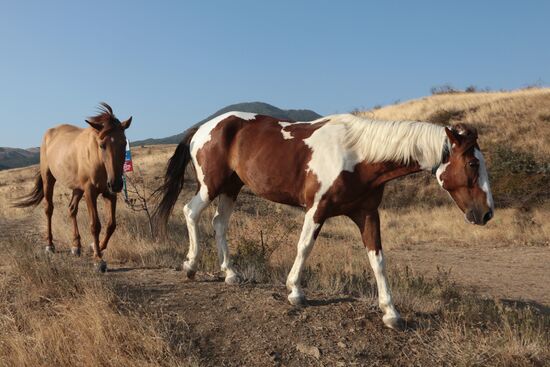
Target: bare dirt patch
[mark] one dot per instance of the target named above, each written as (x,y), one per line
(503,273)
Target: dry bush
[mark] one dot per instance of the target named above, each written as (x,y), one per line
(444,89)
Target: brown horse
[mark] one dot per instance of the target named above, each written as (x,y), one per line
(89,162)
(337,165)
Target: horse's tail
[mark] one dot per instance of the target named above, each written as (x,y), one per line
(34,197)
(173,179)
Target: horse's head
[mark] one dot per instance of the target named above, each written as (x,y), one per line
(464,175)
(111,143)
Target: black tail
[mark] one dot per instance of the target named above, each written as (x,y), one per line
(34,197)
(173,180)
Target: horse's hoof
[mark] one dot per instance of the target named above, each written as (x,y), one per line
(75,251)
(101,266)
(297,299)
(395,323)
(50,249)
(189,272)
(233,279)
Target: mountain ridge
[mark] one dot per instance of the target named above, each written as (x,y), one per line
(18,157)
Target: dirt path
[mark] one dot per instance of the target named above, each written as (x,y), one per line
(253,325)
(504,272)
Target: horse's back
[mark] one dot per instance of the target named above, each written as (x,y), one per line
(59,152)
(60,134)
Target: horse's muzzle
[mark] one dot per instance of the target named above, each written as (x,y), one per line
(476,217)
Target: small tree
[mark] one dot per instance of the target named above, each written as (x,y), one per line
(139,197)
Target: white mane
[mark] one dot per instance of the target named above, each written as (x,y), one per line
(393,141)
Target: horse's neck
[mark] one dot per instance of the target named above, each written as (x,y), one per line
(91,156)
(390,171)
(425,151)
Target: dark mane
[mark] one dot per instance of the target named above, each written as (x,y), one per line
(105,116)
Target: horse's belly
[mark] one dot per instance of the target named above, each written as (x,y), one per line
(277,189)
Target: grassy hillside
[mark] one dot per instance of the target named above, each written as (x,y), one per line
(514,131)
(255,107)
(15,157)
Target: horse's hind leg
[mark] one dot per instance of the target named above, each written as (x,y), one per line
(220,223)
(192,211)
(73,211)
(49,183)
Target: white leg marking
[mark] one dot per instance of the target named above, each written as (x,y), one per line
(305,244)
(484,179)
(220,223)
(192,211)
(384,294)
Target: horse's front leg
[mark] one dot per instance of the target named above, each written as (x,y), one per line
(310,230)
(95,227)
(369,224)
(73,211)
(110,200)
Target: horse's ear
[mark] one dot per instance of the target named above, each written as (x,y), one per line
(95,125)
(126,124)
(453,136)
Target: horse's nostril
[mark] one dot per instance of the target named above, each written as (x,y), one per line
(470,216)
(487,217)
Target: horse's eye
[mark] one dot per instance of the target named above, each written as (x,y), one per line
(102,146)
(473,164)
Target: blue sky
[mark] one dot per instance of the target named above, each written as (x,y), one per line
(172,63)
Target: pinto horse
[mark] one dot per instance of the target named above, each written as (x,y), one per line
(89,162)
(336,165)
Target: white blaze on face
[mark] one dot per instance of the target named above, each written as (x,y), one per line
(286,135)
(440,170)
(203,136)
(484,179)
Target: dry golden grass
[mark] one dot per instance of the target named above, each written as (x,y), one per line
(57,313)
